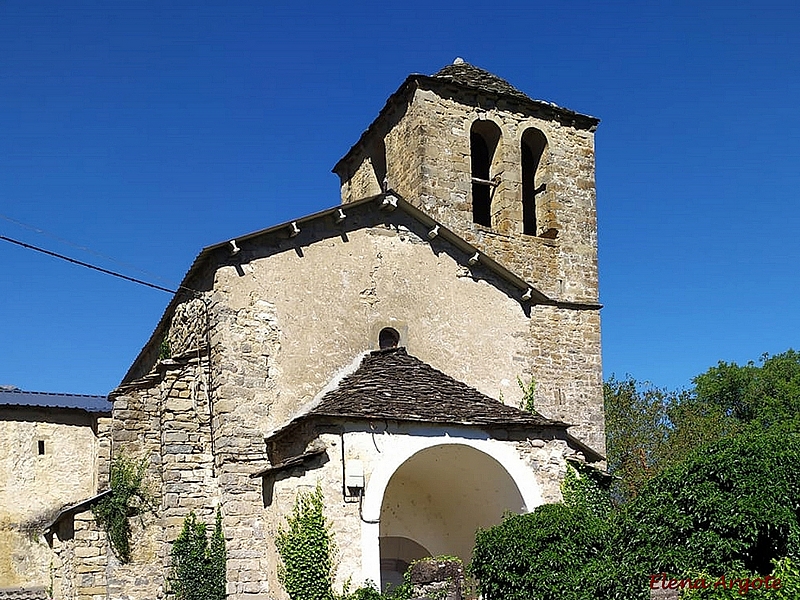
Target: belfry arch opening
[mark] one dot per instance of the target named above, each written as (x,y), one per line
(377,155)
(438,499)
(534,144)
(484,138)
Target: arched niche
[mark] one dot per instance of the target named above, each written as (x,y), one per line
(442,495)
(397,554)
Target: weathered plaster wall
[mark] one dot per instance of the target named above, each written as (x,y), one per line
(36,486)
(288,322)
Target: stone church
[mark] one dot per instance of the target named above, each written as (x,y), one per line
(373,349)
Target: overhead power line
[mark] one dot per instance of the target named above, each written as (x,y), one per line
(90,266)
(82,248)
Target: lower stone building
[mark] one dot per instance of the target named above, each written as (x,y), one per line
(54,451)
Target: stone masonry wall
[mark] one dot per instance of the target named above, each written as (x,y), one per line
(428,163)
(184,418)
(565,362)
(165,419)
(81,559)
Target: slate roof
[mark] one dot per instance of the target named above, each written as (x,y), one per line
(35,593)
(463,73)
(16,397)
(391,384)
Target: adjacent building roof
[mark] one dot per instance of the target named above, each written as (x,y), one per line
(10,396)
(32,593)
(393,385)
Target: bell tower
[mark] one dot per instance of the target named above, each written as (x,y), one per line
(514,177)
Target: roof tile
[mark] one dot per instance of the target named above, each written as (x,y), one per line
(469,75)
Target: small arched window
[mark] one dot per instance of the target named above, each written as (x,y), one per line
(484,137)
(534,144)
(388,338)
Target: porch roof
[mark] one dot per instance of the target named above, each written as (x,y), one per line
(393,385)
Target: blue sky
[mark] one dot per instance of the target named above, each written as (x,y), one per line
(144,131)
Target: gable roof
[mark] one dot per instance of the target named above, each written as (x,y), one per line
(388,201)
(393,385)
(19,398)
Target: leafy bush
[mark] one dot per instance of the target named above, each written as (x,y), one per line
(546,555)
(733,507)
(129,497)
(198,565)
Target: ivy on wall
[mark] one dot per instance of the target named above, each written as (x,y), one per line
(307,550)
(129,497)
(198,564)
(586,488)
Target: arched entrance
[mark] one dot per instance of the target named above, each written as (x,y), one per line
(438,498)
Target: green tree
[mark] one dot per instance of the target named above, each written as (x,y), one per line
(760,397)
(198,564)
(635,431)
(649,429)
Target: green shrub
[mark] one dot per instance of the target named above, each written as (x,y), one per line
(735,505)
(545,555)
(129,497)
(198,564)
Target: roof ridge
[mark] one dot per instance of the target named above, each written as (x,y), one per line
(19,391)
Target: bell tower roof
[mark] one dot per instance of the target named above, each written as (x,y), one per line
(467,75)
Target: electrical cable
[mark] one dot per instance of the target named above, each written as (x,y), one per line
(94,267)
(59,239)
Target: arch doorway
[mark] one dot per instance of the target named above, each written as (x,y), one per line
(438,498)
